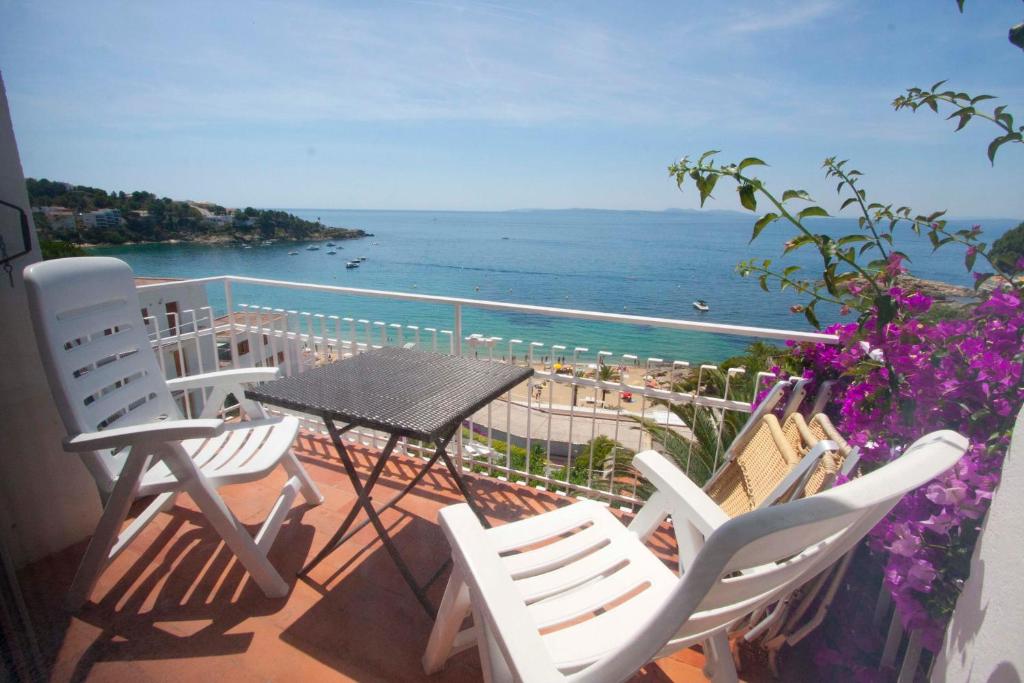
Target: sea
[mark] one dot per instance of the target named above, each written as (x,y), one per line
(646,263)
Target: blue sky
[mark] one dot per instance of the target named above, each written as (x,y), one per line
(489,105)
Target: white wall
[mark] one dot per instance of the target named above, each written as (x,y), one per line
(47,499)
(985,640)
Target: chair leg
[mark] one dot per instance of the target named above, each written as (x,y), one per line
(115,510)
(309,490)
(492,662)
(453,610)
(236,537)
(719,666)
(169,505)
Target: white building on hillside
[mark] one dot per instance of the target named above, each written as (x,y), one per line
(103,218)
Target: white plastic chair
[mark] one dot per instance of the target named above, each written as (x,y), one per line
(574,595)
(122,419)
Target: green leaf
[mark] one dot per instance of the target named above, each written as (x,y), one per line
(706,186)
(811,317)
(796,243)
(830,277)
(997,142)
(965,115)
(993,147)
(969,259)
(981,279)
(705,155)
(762,223)
(851,239)
(796,194)
(747,199)
(749,161)
(845,277)
(812,211)
(851,200)
(886,309)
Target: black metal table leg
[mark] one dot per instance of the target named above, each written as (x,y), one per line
(339,539)
(365,501)
(340,535)
(460,482)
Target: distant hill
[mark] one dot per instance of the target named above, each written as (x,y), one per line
(87,215)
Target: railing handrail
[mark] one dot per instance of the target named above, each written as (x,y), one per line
(622,318)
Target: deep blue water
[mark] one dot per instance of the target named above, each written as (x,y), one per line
(642,263)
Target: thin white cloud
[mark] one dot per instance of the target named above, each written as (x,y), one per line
(780,17)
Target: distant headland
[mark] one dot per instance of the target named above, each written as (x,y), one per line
(90,216)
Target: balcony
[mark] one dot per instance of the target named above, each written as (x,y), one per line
(178,604)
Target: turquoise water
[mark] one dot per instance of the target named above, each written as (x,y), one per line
(635,262)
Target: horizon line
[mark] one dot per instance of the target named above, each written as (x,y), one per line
(752,215)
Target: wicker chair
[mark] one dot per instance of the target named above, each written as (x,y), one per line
(778,462)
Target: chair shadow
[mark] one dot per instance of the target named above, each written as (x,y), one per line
(365,607)
(180,597)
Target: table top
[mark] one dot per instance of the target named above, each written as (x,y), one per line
(399,391)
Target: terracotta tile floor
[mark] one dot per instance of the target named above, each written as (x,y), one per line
(177,605)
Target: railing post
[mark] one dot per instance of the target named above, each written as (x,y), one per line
(229,302)
(457,332)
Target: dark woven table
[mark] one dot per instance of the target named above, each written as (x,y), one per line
(404,393)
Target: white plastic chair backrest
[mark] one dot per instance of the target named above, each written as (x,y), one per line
(796,397)
(753,558)
(821,399)
(96,352)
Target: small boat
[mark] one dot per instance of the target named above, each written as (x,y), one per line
(312,248)
(361,259)
(330,244)
(352,264)
(504,238)
(246,246)
(701,305)
(331,252)
(293,253)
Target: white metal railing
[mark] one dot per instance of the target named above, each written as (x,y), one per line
(538,433)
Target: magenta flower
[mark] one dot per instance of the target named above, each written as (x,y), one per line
(962,374)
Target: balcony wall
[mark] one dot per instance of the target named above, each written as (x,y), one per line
(47,499)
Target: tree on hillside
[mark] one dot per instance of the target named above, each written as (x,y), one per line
(1008,250)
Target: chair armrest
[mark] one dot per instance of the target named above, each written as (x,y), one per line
(686,500)
(495,598)
(223,378)
(151,432)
